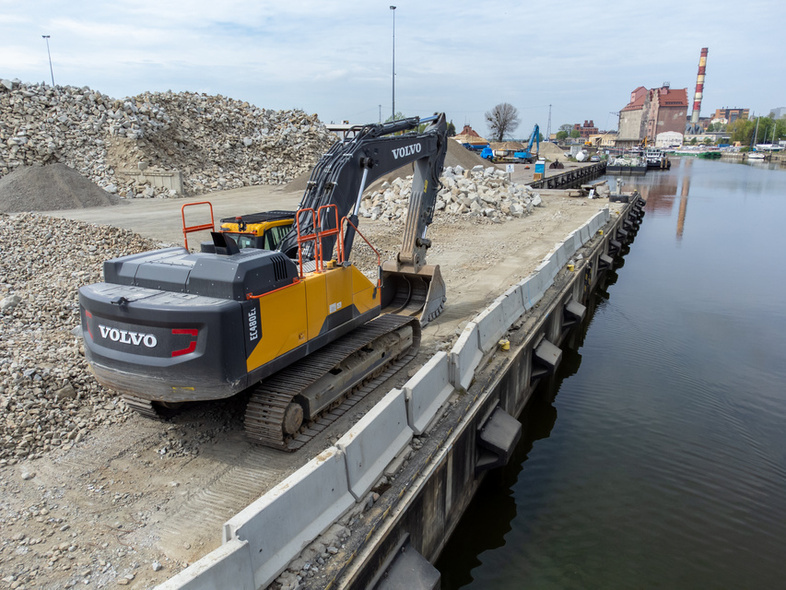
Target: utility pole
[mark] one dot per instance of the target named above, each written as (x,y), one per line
(51,71)
(548,127)
(380,113)
(393,10)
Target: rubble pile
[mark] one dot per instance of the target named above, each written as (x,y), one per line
(48,397)
(211,142)
(479,192)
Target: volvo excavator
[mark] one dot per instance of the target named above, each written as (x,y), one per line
(292,322)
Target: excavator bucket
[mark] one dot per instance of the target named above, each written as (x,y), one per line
(408,292)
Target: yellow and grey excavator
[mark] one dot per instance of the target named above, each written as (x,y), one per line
(299,325)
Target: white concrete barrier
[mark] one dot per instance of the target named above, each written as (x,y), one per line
(574,238)
(229,566)
(491,326)
(532,289)
(374,441)
(548,269)
(425,393)
(512,304)
(464,357)
(561,255)
(585,233)
(281,523)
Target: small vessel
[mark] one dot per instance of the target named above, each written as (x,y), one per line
(657,159)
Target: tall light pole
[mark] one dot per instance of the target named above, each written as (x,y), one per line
(51,71)
(393,10)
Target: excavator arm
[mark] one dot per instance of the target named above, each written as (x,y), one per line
(351,165)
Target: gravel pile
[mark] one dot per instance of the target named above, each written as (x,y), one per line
(205,142)
(479,192)
(48,398)
(50,188)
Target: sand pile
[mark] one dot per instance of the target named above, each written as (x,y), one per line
(551,151)
(50,188)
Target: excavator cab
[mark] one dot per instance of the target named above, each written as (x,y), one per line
(259,230)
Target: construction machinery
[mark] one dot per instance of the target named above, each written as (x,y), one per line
(528,155)
(299,326)
(259,230)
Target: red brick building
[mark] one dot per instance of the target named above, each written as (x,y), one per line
(587,129)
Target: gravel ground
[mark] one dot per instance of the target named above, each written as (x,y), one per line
(48,397)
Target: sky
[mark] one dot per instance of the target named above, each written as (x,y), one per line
(577,60)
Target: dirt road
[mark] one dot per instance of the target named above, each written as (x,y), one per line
(134,503)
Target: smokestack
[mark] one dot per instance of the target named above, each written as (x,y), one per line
(694,117)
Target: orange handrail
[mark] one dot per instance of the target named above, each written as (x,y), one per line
(205,226)
(341,246)
(317,234)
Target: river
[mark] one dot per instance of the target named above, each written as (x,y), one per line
(656,458)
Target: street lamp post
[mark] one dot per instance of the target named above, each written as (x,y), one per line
(51,71)
(393,10)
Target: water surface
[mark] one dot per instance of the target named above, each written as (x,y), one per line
(657,456)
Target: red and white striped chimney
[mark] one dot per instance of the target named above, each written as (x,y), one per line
(694,117)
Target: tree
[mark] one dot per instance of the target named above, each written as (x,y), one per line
(502,120)
(451,129)
(398,117)
(575,133)
(562,135)
(567,128)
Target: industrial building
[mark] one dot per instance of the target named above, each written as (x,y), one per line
(651,112)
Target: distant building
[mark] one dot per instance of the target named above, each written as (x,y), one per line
(651,112)
(587,129)
(669,139)
(779,112)
(730,115)
(469,136)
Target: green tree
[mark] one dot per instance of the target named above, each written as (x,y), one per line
(575,133)
(398,117)
(562,135)
(502,120)
(451,129)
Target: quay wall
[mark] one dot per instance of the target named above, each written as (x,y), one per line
(570,178)
(460,404)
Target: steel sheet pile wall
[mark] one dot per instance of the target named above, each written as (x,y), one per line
(262,539)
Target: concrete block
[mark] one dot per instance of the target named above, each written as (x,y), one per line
(464,357)
(574,239)
(547,269)
(425,393)
(229,566)
(512,304)
(561,255)
(532,289)
(491,326)
(374,441)
(281,523)
(585,233)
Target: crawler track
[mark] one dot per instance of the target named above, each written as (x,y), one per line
(267,409)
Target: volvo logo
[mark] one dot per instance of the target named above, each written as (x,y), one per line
(126,337)
(407,150)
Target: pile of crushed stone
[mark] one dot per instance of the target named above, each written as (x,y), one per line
(50,188)
(48,396)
